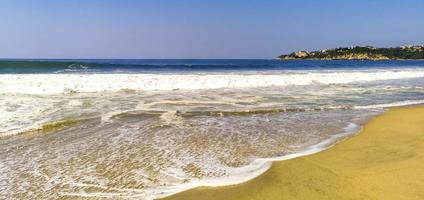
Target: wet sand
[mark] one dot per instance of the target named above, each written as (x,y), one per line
(385,161)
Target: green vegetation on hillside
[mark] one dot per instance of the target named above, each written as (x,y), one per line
(361,53)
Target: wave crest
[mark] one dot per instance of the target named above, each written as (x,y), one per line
(65,83)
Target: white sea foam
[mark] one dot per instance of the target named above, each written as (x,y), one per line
(394,104)
(254,169)
(19,112)
(68,83)
(237,175)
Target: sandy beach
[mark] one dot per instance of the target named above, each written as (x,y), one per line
(212,100)
(385,161)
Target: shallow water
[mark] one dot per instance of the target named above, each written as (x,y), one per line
(148,134)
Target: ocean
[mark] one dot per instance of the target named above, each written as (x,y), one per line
(150,128)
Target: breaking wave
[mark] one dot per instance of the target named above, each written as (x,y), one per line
(71,83)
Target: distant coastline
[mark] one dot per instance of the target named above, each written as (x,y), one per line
(408,52)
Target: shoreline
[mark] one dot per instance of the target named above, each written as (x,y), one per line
(261,165)
(270,184)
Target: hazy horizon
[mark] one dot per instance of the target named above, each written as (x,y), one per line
(191,29)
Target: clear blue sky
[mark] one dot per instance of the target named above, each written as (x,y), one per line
(201,28)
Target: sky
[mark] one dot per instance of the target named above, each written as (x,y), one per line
(201,28)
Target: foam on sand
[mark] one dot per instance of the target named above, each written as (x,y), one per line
(237,175)
(379,157)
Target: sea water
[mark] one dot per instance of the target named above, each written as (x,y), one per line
(150,128)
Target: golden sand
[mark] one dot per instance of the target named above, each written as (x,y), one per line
(385,161)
